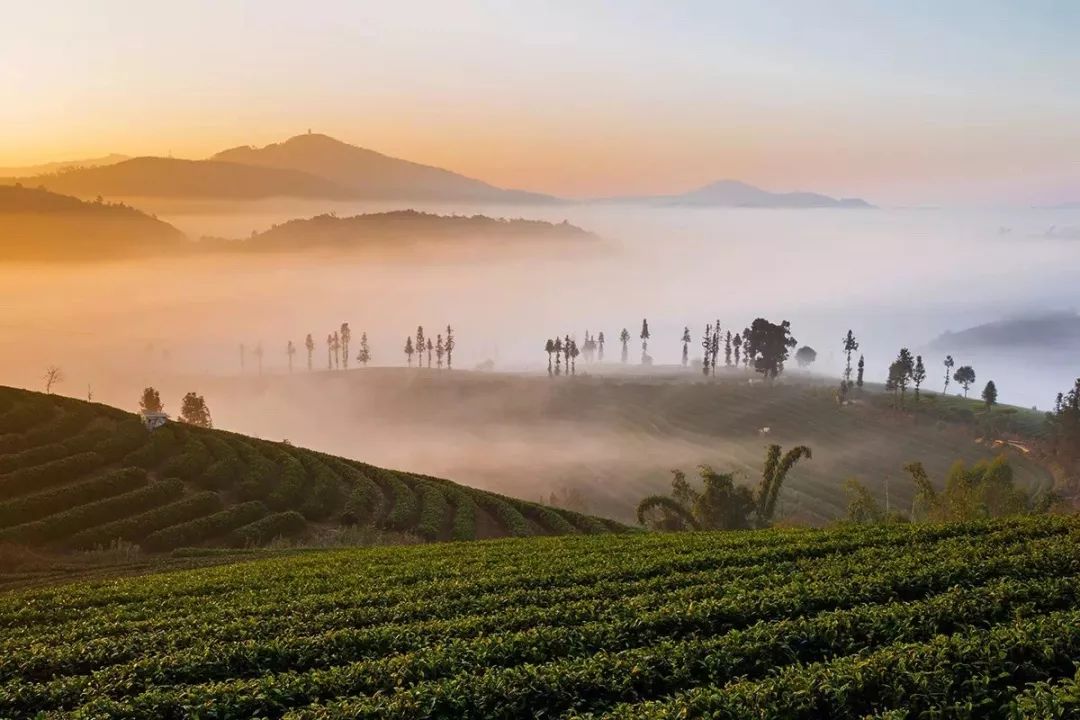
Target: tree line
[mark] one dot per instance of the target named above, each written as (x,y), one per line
(439,348)
(193,407)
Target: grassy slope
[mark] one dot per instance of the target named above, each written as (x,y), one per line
(75,475)
(615,437)
(846,622)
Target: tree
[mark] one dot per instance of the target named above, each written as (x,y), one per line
(193,411)
(329,352)
(440,350)
(420,346)
(310,345)
(685,346)
(918,375)
(290,350)
(862,367)
(600,346)
(900,374)
(987,489)
(430,349)
(769,346)
(863,508)
(364,356)
(805,356)
(573,357)
(450,345)
(346,337)
(624,337)
(721,505)
(949,363)
(336,344)
(1064,425)
(566,353)
(990,394)
(409,350)
(644,342)
(150,401)
(53,376)
(736,344)
(558,355)
(714,349)
(965,377)
(549,347)
(706,346)
(746,356)
(259,356)
(850,346)
(727,349)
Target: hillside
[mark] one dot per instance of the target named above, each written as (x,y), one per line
(977,620)
(371,175)
(403,227)
(76,475)
(734,193)
(156,177)
(54,167)
(36,224)
(1053,332)
(611,439)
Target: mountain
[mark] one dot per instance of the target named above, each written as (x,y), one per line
(48,168)
(36,224)
(371,175)
(1047,331)
(170,177)
(77,475)
(403,227)
(734,193)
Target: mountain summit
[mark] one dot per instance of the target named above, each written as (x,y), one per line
(369,174)
(735,193)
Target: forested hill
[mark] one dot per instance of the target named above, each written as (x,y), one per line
(36,224)
(402,227)
(78,475)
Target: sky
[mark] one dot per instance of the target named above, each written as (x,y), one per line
(945,102)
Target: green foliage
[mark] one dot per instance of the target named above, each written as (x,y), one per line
(194,411)
(505,514)
(769,345)
(205,528)
(27,508)
(465,510)
(434,511)
(983,490)
(271,527)
(990,395)
(48,475)
(139,525)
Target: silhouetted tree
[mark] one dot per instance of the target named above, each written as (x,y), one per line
(736,344)
(440,350)
(259,356)
(727,349)
(549,347)
(850,346)
(900,373)
(53,376)
(965,377)
(346,337)
(624,337)
(150,401)
(990,394)
(310,345)
(290,350)
(329,352)
(573,357)
(706,347)
(193,411)
(949,363)
(600,346)
(770,345)
(566,353)
(364,356)
(450,345)
(409,350)
(1064,425)
(685,346)
(714,348)
(420,346)
(747,356)
(558,355)
(430,349)
(644,342)
(773,476)
(805,356)
(862,367)
(918,375)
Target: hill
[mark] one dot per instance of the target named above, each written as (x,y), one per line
(371,175)
(76,475)
(403,227)
(1055,331)
(174,178)
(36,224)
(54,167)
(610,439)
(734,193)
(973,620)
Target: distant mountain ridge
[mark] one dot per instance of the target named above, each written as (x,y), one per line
(735,193)
(1052,330)
(54,167)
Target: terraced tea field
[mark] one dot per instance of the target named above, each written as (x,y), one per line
(977,620)
(76,475)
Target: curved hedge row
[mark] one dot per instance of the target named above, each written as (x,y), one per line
(190,463)
(50,474)
(434,511)
(20,417)
(263,530)
(136,527)
(259,475)
(463,526)
(547,519)
(365,502)
(324,488)
(509,517)
(585,523)
(157,446)
(289,491)
(57,527)
(206,528)
(27,508)
(404,508)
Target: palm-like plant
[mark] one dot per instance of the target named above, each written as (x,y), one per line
(721,504)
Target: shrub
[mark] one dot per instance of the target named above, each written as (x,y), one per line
(137,527)
(205,528)
(405,507)
(511,520)
(50,474)
(265,529)
(434,511)
(38,505)
(464,524)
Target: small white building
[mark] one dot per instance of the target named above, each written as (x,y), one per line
(153,419)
